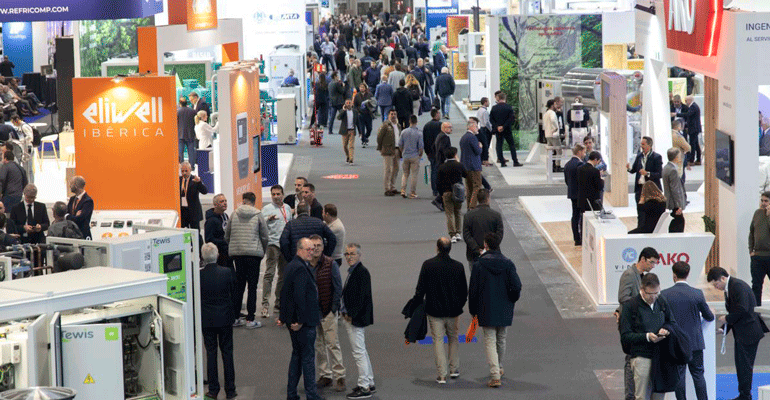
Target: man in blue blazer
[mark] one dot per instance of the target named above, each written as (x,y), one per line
(80,206)
(688,306)
(648,166)
(570,178)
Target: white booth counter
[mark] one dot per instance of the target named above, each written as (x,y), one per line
(608,250)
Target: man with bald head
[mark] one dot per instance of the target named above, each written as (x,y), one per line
(301,313)
(693,128)
(190,187)
(80,206)
(443,285)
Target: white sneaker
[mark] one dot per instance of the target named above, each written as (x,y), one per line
(454,239)
(459,237)
(253,324)
(239,322)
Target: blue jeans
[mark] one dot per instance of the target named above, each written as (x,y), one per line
(333,110)
(445,105)
(302,363)
(385,110)
(192,156)
(434,176)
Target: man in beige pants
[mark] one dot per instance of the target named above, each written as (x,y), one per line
(348,121)
(387,146)
(328,356)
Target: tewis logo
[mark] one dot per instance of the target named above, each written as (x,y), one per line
(629,255)
(109,112)
(158,242)
(78,335)
(681,15)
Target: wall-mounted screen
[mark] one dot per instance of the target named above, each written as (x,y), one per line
(725,158)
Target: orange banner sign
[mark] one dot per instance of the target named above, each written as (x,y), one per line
(126,141)
(201,14)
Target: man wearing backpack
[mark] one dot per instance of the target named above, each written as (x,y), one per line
(449,182)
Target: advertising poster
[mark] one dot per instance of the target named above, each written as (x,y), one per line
(244,125)
(201,14)
(17,45)
(267,23)
(437,11)
(543,46)
(73,10)
(126,141)
(454,24)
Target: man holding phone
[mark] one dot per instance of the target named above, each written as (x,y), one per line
(641,328)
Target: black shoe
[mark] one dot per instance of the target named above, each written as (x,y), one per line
(359,393)
(231,396)
(503,165)
(210,395)
(578,244)
(436,203)
(373,389)
(516,164)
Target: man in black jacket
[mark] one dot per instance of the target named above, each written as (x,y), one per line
(217,287)
(449,173)
(199,104)
(189,189)
(570,178)
(641,328)
(648,166)
(479,222)
(337,98)
(358,313)
(402,103)
(308,196)
(590,185)
(80,206)
(494,289)
(301,314)
(445,88)
(31,216)
(443,284)
(302,227)
(746,325)
(502,117)
(691,117)
(430,132)
(185,125)
(214,229)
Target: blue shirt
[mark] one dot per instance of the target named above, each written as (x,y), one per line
(291,81)
(411,142)
(470,152)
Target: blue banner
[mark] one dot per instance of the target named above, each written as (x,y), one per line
(17,45)
(72,10)
(437,11)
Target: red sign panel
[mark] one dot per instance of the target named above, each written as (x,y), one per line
(693,26)
(341,176)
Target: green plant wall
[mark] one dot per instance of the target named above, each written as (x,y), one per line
(103,40)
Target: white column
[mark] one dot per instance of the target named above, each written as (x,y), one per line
(656,115)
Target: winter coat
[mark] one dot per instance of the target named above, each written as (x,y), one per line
(246,232)
(494,289)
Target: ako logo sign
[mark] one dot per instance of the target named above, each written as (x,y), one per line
(693,26)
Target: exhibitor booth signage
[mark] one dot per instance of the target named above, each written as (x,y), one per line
(693,26)
(126,141)
(201,14)
(71,10)
(616,253)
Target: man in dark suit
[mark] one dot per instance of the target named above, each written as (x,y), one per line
(31,216)
(648,166)
(217,288)
(301,313)
(693,128)
(80,206)
(189,189)
(337,98)
(185,125)
(746,325)
(570,178)
(590,185)
(502,117)
(677,107)
(199,104)
(477,223)
(688,305)
(358,312)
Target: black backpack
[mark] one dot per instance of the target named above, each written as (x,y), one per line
(36,137)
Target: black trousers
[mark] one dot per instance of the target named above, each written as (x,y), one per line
(695,154)
(184,215)
(677,225)
(506,136)
(745,353)
(246,272)
(223,337)
(760,267)
(577,222)
(696,371)
(484,137)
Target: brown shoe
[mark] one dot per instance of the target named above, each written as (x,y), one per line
(494,383)
(340,386)
(323,383)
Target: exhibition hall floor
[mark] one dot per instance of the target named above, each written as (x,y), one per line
(559,347)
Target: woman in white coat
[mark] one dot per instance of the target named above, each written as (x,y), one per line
(203,131)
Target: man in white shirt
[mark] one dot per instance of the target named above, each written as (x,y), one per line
(276,214)
(336,226)
(485,130)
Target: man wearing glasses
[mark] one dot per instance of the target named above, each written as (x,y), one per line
(641,328)
(358,313)
(630,283)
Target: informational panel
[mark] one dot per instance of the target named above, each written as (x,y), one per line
(17,45)
(267,23)
(436,13)
(92,360)
(454,24)
(73,10)
(201,14)
(126,141)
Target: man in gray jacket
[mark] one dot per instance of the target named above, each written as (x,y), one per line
(674,190)
(629,286)
(247,239)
